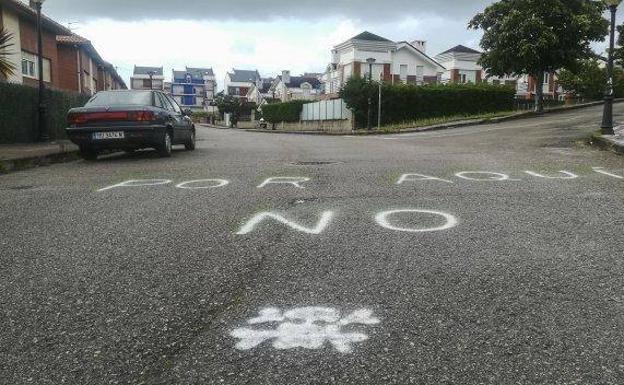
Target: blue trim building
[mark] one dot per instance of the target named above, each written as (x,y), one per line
(194,88)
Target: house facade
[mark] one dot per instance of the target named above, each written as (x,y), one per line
(286,87)
(396,62)
(260,92)
(70,62)
(194,88)
(147,78)
(461,65)
(238,82)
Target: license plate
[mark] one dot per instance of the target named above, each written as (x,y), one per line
(108,135)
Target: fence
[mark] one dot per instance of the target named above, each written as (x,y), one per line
(334,109)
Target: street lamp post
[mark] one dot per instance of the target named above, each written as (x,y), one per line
(607,117)
(44,136)
(370,62)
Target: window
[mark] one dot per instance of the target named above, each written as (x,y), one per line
(175,105)
(546,78)
(420,72)
(158,100)
(147,83)
(121,98)
(463,78)
(30,67)
(403,72)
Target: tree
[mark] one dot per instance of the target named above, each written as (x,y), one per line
(6,68)
(587,80)
(236,107)
(535,37)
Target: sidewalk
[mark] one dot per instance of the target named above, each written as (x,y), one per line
(15,157)
(613,143)
(444,126)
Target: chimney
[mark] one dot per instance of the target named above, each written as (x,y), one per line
(420,44)
(286,77)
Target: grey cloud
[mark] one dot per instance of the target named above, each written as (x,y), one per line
(259,10)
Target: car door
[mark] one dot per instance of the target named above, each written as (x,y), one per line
(185,123)
(175,119)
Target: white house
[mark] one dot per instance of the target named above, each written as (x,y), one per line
(145,78)
(461,65)
(287,87)
(238,82)
(394,62)
(260,92)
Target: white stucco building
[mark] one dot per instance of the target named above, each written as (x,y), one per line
(395,62)
(238,82)
(287,87)
(145,78)
(461,65)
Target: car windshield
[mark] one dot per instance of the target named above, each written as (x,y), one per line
(121,98)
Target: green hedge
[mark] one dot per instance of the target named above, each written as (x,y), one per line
(283,112)
(19,115)
(405,103)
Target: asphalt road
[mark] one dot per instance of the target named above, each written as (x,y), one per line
(519,280)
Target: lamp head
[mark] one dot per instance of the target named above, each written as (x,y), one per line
(371,60)
(38,2)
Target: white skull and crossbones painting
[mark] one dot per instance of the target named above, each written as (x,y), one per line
(305,327)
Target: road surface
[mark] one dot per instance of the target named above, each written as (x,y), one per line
(480,255)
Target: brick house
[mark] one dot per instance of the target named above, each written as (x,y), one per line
(60,47)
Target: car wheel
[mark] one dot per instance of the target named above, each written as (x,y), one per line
(190,146)
(88,154)
(165,147)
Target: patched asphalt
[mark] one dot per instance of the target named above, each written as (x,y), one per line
(145,285)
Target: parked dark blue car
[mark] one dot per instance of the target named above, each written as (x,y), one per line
(130,120)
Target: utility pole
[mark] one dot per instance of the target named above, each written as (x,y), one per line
(44,136)
(607,117)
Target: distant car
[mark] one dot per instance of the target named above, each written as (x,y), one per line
(130,120)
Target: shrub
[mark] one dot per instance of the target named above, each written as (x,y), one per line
(288,112)
(19,112)
(404,103)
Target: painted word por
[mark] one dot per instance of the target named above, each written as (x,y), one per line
(305,327)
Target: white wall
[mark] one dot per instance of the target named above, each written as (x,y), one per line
(405,56)
(11,24)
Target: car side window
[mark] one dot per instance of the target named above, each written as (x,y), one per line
(158,102)
(176,107)
(166,103)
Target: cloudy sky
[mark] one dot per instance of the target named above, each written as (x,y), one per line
(270,35)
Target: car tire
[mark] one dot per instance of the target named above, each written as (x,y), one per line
(164,150)
(190,145)
(88,154)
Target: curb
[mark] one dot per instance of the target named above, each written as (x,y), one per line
(445,126)
(13,165)
(608,143)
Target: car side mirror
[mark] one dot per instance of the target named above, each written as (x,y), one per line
(187,112)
